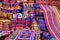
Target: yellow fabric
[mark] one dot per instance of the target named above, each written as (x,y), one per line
(35,25)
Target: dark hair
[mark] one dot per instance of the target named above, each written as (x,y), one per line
(34,1)
(21,4)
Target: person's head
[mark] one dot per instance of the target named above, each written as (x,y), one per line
(37,2)
(21,4)
(37,10)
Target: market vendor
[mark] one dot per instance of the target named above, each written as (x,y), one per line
(20,8)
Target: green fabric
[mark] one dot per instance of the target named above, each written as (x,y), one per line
(29,6)
(4,4)
(23,15)
(41,36)
(14,36)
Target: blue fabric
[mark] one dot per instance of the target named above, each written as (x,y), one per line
(10,11)
(23,32)
(42,27)
(19,11)
(21,3)
(40,20)
(34,38)
(28,37)
(38,14)
(45,35)
(29,20)
(29,32)
(21,36)
(36,6)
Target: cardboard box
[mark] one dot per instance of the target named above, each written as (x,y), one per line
(4,15)
(1,22)
(6,25)
(1,27)
(0,5)
(1,14)
(9,16)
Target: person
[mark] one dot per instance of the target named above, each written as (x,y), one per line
(36,5)
(36,8)
(20,10)
(36,13)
